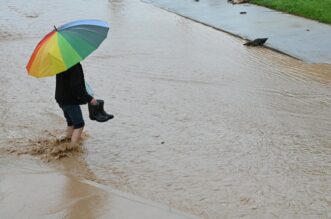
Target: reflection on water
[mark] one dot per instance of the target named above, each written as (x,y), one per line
(201,122)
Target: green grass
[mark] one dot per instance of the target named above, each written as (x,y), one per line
(319,10)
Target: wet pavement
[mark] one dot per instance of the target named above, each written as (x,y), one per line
(31,190)
(302,38)
(202,124)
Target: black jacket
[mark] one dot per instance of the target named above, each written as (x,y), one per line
(70,87)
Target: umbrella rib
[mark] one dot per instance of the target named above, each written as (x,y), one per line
(87,41)
(80,28)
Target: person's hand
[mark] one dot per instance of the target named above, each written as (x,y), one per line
(93,101)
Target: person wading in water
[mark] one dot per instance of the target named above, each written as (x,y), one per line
(70,93)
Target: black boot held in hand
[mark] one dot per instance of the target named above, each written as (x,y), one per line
(101,109)
(95,113)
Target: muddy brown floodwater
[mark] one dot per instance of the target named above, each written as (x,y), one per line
(202,123)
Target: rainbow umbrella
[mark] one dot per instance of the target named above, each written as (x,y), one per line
(65,46)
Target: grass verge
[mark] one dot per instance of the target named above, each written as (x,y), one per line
(319,10)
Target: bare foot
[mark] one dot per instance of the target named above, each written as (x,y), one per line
(63,139)
(73,146)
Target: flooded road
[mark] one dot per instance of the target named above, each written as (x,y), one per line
(202,123)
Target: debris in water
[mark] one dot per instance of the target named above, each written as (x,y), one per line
(238,1)
(256,42)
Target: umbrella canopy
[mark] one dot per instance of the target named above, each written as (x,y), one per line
(65,46)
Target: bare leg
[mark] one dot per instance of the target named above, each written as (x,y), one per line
(76,134)
(70,130)
(68,135)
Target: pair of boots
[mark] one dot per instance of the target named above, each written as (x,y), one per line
(98,113)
